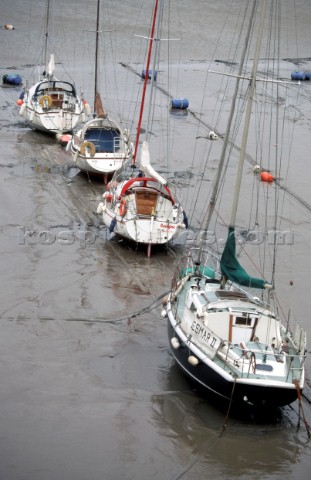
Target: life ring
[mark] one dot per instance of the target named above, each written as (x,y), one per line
(91,149)
(122,207)
(45,99)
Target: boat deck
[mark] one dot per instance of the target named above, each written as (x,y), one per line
(253,359)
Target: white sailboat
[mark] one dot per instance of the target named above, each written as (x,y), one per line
(52,105)
(224,327)
(99,146)
(141,205)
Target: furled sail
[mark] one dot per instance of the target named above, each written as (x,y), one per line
(51,65)
(231,268)
(146,166)
(99,107)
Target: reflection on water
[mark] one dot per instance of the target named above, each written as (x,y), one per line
(245,449)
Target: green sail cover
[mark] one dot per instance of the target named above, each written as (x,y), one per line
(232,270)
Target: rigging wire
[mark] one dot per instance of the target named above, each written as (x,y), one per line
(171,134)
(138,49)
(30,15)
(289,137)
(226,81)
(223,92)
(150,43)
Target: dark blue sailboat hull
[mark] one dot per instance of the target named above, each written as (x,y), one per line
(209,382)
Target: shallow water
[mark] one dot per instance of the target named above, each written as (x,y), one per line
(88,386)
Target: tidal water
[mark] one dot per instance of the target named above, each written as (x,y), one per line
(88,388)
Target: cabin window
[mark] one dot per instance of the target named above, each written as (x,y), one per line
(247,321)
(262,366)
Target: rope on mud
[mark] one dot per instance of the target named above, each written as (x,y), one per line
(154,304)
(301,410)
(229,407)
(149,308)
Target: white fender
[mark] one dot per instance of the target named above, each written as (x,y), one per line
(68,146)
(194,361)
(175,212)
(51,65)
(100,208)
(75,158)
(22,109)
(146,167)
(32,116)
(87,109)
(175,343)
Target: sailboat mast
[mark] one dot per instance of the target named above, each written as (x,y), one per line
(212,203)
(96,54)
(46,35)
(145,80)
(247,115)
(155,59)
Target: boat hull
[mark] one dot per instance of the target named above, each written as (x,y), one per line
(54,121)
(99,147)
(217,387)
(52,106)
(100,164)
(141,230)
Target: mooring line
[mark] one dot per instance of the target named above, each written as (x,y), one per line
(228,412)
(301,410)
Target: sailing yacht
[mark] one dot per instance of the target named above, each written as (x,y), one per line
(224,327)
(100,146)
(140,204)
(52,105)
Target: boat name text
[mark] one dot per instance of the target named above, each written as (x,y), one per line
(163,225)
(203,333)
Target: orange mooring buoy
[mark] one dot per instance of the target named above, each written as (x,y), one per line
(266,177)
